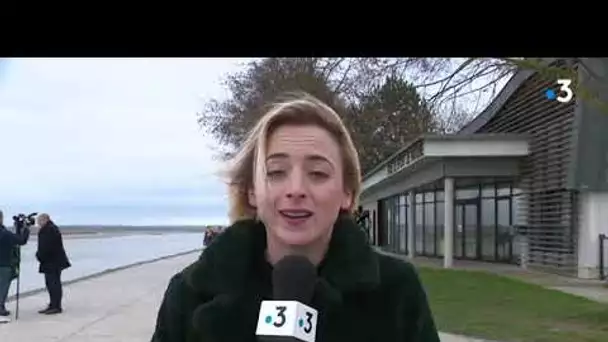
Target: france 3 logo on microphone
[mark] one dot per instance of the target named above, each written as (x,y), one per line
(287,319)
(564,93)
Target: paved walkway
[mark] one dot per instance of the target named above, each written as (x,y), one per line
(116,307)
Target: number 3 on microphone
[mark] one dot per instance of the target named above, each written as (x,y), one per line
(287,319)
(280,315)
(305,324)
(308,326)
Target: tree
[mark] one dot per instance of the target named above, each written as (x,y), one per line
(372,93)
(344,82)
(386,119)
(458,88)
(454,88)
(229,121)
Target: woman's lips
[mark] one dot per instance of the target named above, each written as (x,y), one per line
(295,217)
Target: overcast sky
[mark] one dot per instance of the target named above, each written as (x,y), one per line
(110,141)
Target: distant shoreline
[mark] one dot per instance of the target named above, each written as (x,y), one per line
(91,229)
(111,234)
(87,232)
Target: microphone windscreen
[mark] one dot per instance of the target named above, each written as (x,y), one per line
(294,278)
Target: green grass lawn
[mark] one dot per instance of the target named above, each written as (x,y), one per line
(490,306)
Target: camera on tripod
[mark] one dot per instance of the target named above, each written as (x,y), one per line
(21,221)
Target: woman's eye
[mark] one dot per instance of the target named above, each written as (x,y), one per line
(319,174)
(275,173)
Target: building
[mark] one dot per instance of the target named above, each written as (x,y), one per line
(525,182)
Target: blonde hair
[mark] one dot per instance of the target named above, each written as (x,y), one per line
(249,163)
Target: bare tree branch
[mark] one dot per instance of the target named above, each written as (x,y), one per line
(369,91)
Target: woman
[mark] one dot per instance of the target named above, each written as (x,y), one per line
(293,188)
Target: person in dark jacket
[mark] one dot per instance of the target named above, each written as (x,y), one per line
(209,235)
(8,242)
(53,260)
(293,189)
(362,219)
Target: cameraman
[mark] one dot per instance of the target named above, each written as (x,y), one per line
(8,242)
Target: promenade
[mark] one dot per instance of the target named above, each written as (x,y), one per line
(118,306)
(94,253)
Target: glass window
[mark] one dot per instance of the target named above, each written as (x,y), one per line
(403,228)
(396,224)
(439,228)
(389,222)
(389,217)
(439,195)
(503,212)
(488,228)
(429,196)
(419,231)
(470,229)
(503,238)
(487,212)
(467,193)
(429,228)
(503,190)
(517,206)
(488,191)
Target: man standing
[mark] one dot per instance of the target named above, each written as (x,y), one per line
(53,260)
(362,219)
(8,242)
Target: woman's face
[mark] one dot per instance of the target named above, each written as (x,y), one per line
(304,188)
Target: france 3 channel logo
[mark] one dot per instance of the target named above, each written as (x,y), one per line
(565,93)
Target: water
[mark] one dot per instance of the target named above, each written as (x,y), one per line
(95,254)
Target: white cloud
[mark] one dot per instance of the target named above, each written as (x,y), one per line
(102,131)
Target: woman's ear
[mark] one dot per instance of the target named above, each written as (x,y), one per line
(251,198)
(347,201)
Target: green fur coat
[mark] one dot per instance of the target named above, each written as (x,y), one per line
(362,295)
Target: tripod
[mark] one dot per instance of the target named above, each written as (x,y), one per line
(17,266)
(18,282)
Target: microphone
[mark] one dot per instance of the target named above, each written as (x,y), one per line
(288,318)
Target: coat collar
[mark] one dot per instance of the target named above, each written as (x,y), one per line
(227,265)
(225,277)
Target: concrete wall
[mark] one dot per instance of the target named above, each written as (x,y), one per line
(593,220)
(589,162)
(476,148)
(376,177)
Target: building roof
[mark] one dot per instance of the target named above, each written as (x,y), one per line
(470,129)
(499,101)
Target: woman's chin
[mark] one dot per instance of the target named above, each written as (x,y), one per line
(296,237)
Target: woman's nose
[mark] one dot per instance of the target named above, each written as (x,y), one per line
(296,186)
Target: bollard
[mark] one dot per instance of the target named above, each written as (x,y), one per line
(602,269)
